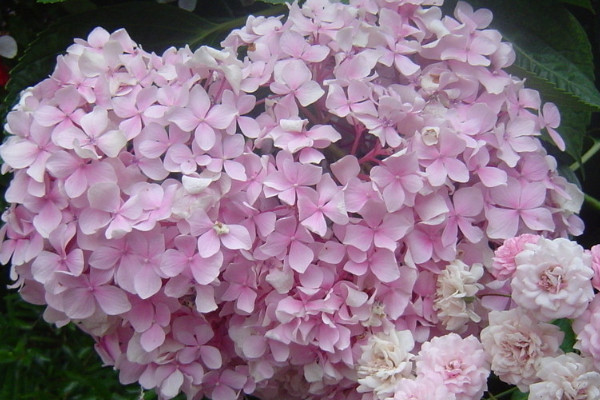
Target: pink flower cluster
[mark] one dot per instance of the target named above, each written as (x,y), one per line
(247,220)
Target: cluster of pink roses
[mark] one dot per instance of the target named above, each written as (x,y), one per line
(308,212)
(547,279)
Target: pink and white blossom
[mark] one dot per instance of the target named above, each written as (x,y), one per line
(553,278)
(568,376)
(515,342)
(385,360)
(455,295)
(460,363)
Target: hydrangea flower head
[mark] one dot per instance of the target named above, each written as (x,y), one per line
(225,225)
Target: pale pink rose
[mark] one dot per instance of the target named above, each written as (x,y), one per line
(385,359)
(568,376)
(595,252)
(553,279)
(504,257)
(455,295)
(587,328)
(460,364)
(515,341)
(423,388)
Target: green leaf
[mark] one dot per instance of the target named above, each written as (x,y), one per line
(518,395)
(535,57)
(50,1)
(570,338)
(155,27)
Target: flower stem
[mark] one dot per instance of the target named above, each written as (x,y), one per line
(585,158)
(592,201)
(495,294)
(499,395)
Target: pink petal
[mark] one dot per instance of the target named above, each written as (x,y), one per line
(171,386)
(205,136)
(173,262)
(47,219)
(208,243)
(78,303)
(502,223)
(184,119)
(245,300)
(436,173)
(19,153)
(152,338)
(112,142)
(146,282)
(223,392)
(300,256)
(95,123)
(221,116)
(211,357)
(205,299)
(47,115)
(356,268)
(359,236)
(112,300)
(420,246)
(538,219)
(384,265)
(309,93)
(141,316)
(254,346)
(473,233)
(237,238)
(105,196)
(457,170)
(491,176)
(206,270)
(76,184)
(75,262)
(235,170)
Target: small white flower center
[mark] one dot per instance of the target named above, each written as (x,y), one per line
(430,135)
(221,228)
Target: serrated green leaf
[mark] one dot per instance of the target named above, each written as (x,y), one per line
(537,58)
(155,27)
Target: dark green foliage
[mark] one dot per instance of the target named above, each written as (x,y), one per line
(39,361)
(565,326)
(518,395)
